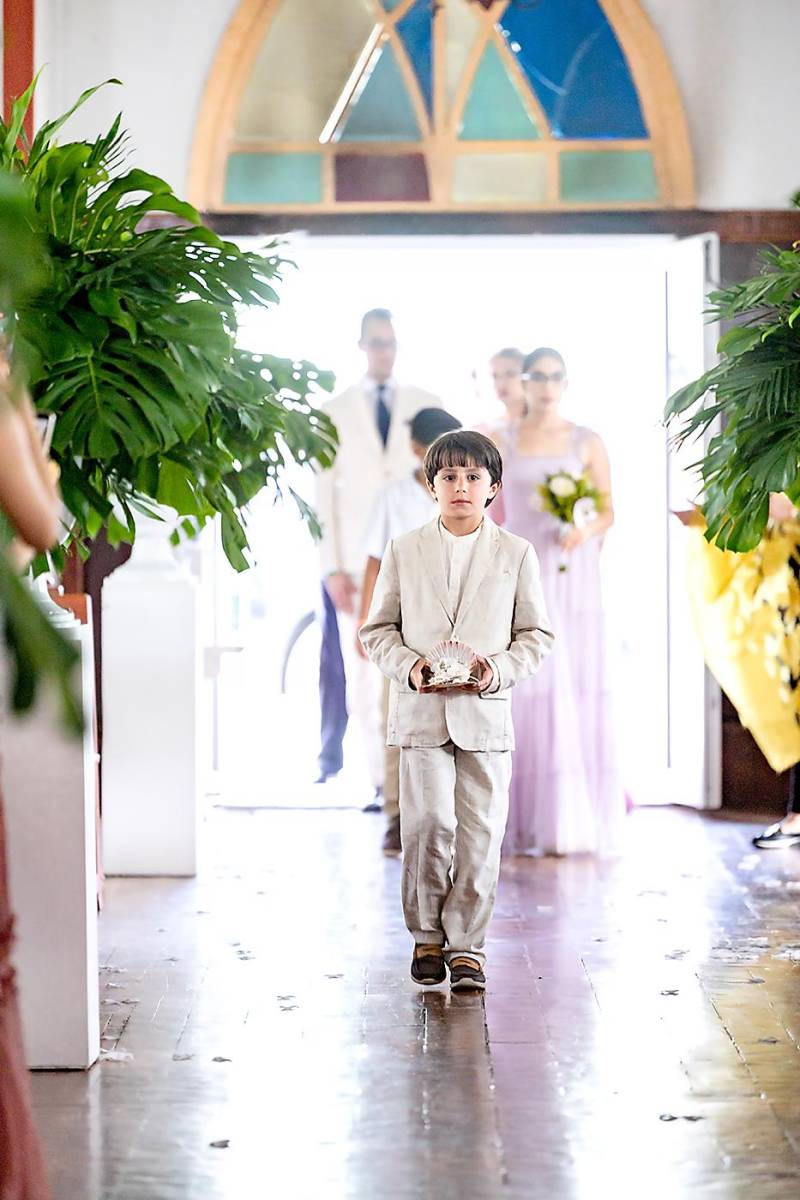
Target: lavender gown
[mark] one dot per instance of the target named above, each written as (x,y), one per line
(566,794)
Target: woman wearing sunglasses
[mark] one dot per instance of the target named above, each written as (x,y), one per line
(566,794)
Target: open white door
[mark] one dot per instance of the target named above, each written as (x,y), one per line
(694,744)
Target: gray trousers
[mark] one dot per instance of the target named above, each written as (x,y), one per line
(453,812)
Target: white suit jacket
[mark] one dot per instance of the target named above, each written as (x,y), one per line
(347,492)
(501,616)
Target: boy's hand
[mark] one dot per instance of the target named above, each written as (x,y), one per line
(482,670)
(416,676)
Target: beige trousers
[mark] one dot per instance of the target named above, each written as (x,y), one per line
(453,812)
(391,782)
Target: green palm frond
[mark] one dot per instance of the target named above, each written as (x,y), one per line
(754,395)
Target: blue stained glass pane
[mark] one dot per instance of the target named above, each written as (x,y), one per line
(573,61)
(416,33)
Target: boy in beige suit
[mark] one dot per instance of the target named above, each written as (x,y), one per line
(457,577)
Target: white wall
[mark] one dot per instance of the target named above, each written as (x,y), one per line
(735,61)
(736,66)
(161,50)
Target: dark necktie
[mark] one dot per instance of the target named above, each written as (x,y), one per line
(382,414)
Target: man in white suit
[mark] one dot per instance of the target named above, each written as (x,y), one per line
(372,420)
(457,578)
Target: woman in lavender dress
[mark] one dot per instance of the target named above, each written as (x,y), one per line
(566,794)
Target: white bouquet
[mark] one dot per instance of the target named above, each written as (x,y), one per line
(571,499)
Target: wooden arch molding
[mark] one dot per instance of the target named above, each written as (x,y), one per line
(650,67)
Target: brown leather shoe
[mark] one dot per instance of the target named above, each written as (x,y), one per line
(391,839)
(427,965)
(466,974)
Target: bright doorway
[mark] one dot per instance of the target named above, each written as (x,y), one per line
(627,313)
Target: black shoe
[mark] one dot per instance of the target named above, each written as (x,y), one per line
(324,776)
(427,965)
(774,838)
(391,839)
(375,805)
(466,974)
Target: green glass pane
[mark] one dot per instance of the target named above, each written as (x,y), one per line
(309,53)
(383,112)
(494,111)
(500,178)
(460,28)
(607,175)
(391,5)
(273,179)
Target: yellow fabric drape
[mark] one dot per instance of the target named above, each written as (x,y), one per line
(747,612)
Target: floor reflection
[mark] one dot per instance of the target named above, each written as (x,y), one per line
(639,1035)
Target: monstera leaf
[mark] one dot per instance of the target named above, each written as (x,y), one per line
(132,344)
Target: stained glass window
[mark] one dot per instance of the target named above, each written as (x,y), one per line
(448,104)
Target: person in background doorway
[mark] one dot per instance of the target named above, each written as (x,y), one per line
(401,507)
(506,371)
(372,419)
(566,792)
(505,368)
(30,504)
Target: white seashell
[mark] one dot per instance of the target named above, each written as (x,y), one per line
(450,662)
(451,651)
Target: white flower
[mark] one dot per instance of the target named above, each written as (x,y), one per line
(583,512)
(562,486)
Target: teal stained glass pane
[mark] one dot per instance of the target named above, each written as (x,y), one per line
(614,176)
(383,112)
(273,179)
(416,33)
(494,111)
(391,5)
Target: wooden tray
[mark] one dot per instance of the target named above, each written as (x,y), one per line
(472,686)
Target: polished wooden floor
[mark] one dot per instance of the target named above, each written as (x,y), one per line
(639,1037)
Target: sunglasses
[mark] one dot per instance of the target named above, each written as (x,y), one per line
(543,377)
(380,344)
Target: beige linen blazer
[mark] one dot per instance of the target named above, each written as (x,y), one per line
(346,494)
(501,616)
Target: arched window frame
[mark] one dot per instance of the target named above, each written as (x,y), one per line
(651,71)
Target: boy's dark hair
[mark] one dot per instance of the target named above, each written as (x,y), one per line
(463,448)
(374,314)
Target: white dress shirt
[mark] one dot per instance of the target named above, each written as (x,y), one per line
(458,553)
(402,506)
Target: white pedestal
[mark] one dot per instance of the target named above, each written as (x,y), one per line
(50,794)
(151,679)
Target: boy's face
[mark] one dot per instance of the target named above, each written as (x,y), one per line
(462,492)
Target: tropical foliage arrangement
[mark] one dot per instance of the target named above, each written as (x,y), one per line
(126,330)
(35,649)
(132,343)
(754,395)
